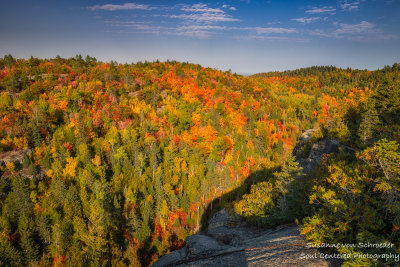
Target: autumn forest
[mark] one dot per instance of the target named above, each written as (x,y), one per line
(108,164)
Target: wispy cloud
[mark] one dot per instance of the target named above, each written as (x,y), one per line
(270,30)
(198,31)
(271,38)
(320,33)
(320,10)
(205,14)
(195,34)
(364,27)
(307,20)
(136,26)
(205,17)
(195,21)
(193,31)
(203,8)
(229,7)
(266,33)
(126,6)
(207,20)
(364,31)
(202,27)
(348,5)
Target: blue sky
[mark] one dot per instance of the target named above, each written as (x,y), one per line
(245,36)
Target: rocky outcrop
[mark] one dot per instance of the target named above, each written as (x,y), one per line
(309,154)
(13,156)
(307,135)
(242,245)
(17,157)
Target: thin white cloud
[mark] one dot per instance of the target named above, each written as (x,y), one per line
(271,38)
(198,31)
(260,33)
(319,10)
(320,33)
(205,17)
(202,27)
(307,20)
(201,8)
(192,31)
(265,30)
(364,27)
(203,13)
(126,6)
(229,7)
(195,34)
(346,5)
(270,30)
(196,21)
(266,33)
(364,31)
(136,26)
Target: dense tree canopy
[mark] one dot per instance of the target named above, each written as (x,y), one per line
(121,161)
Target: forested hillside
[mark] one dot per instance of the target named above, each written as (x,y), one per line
(120,162)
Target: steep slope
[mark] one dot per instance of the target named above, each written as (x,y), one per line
(230,241)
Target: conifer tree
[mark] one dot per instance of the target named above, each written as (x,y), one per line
(370,122)
(284,180)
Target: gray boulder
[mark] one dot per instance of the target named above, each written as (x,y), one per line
(309,155)
(227,229)
(318,150)
(201,245)
(307,135)
(14,156)
(171,258)
(196,246)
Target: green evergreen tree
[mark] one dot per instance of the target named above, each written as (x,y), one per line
(370,122)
